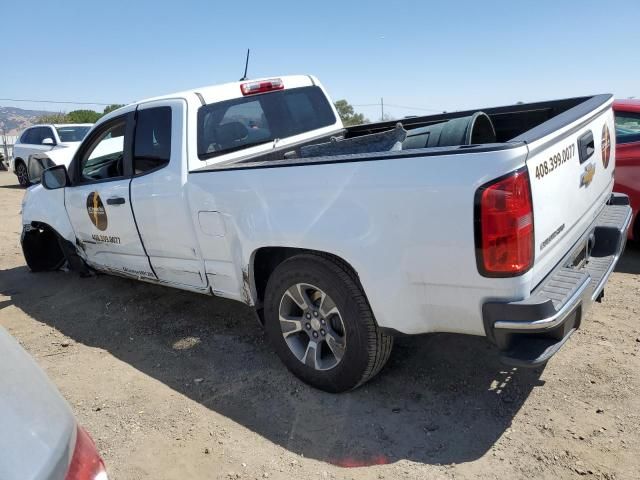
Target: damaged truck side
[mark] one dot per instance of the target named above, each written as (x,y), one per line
(500,222)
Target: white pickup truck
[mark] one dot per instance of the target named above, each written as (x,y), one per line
(500,222)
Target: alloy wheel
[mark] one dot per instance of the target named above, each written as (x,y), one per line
(312,326)
(21,173)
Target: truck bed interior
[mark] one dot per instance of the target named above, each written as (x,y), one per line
(509,122)
(498,125)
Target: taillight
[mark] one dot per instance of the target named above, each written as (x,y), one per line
(262,86)
(86,463)
(504,226)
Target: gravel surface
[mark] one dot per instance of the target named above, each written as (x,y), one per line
(174,385)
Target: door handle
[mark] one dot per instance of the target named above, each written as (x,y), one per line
(115,201)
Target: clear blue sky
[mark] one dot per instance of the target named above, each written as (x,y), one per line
(433,55)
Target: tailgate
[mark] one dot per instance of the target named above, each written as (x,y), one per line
(571,165)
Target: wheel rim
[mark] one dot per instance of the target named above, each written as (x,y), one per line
(21,172)
(312,326)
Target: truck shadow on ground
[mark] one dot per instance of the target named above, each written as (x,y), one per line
(441,398)
(630,261)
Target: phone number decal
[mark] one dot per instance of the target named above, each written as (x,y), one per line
(551,165)
(105,239)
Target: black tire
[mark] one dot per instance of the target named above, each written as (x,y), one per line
(22,173)
(42,250)
(367,346)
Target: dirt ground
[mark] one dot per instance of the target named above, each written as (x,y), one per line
(173,385)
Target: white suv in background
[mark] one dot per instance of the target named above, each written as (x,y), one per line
(59,142)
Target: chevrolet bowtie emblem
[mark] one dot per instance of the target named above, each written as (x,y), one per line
(587,175)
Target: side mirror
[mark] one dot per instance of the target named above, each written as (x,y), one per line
(48,141)
(55,177)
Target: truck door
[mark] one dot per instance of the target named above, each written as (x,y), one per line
(98,201)
(158,195)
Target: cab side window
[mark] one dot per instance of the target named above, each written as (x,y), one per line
(35,136)
(104,158)
(47,132)
(26,136)
(152,144)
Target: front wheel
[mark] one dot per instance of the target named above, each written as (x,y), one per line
(42,250)
(22,174)
(321,326)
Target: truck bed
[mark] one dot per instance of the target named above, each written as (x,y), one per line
(514,125)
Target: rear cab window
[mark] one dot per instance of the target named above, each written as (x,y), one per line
(627,127)
(231,125)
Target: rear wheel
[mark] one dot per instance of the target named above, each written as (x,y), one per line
(22,173)
(321,326)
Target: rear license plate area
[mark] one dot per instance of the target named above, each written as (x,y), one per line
(580,257)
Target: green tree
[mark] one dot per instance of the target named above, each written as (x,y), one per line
(58,117)
(77,116)
(83,116)
(348,115)
(112,107)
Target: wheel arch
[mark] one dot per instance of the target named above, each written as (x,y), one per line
(42,247)
(265,260)
(47,207)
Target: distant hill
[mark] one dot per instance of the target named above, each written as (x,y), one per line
(14,120)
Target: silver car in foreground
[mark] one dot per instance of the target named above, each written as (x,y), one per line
(40,438)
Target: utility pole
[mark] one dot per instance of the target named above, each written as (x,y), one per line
(381,109)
